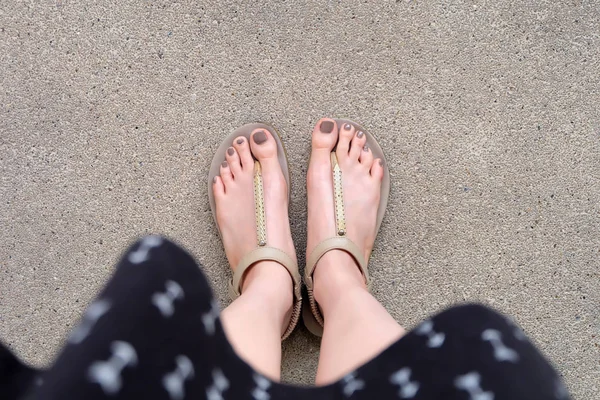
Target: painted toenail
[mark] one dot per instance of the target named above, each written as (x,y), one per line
(366,148)
(326,126)
(381,163)
(224,164)
(240,141)
(215,179)
(259,137)
(230,151)
(360,134)
(347,127)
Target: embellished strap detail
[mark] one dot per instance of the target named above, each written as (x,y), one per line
(338,197)
(259,206)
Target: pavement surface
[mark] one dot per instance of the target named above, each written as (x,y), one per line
(488,112)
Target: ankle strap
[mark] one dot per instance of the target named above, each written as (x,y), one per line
(264,254)
(335,243)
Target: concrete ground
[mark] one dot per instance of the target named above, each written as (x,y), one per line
(489,113)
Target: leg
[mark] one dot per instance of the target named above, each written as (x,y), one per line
(357,327)
(255,321)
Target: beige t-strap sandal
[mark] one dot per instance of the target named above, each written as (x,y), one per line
(263,251)
(311,314)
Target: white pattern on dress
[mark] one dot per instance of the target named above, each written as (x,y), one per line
(517,331)
(220,384)
(560,391)
(260,392)
(142,253)
(501,352)
(351,384)
(108,373)
(210,317)
(96,310)
(436,339)
(174,382)
(408,389)
(471,383)
(166,301)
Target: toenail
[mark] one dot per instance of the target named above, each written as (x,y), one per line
(326,126)
(215,179)
(240,141)
(381,163)
(230,151)
(259,137)
(347,127)
(360,134)
(224,164)
(366,148)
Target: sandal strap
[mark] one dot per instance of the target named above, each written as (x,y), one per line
(279,256)
(259,206)
(338,196)
(335,243)
(263,254)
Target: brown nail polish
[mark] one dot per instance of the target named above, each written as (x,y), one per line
(366,147)
(259,137)
(215,179)
(230,151)
(347,127)
(381,162)
(240,141)
(224,164)
(326,126)
(360,134)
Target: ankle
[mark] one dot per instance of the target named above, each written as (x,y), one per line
(336,275)
(270,285)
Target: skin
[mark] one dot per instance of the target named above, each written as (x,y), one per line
(357,327)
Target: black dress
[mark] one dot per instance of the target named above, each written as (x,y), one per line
(154,333)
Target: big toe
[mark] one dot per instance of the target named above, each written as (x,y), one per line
(325,134)
(263,145)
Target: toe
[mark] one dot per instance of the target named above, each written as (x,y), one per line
(356,147)
(346,134)
(325,135)
(225,173)
(243,149)
(263,145)
(366,157)
(377,169)
(218,187)
(233,159)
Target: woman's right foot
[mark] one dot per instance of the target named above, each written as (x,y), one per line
(361,181)
(233,189)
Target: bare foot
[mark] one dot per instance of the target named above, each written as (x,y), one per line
(361,179)
(234,198)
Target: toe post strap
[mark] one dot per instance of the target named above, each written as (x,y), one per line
(338,196)
(259,206)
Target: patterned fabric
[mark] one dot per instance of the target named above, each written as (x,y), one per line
(154,333)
